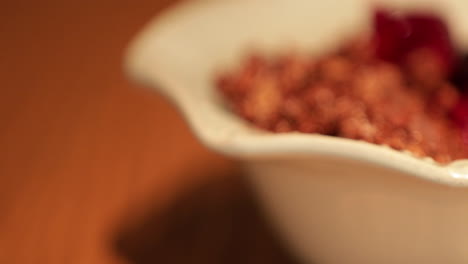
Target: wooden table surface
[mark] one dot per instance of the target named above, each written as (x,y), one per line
(82,148)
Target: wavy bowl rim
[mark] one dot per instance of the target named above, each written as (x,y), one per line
(250,143)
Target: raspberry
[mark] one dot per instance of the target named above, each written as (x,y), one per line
(460,113)
(396,36)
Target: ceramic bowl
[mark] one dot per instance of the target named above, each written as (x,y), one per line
(333,200)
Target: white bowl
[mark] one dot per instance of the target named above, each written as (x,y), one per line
(334,200)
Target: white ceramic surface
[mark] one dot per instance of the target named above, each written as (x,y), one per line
(334,200)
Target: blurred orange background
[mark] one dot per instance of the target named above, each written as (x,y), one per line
(83,148)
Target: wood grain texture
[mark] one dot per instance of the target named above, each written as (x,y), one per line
(81,147)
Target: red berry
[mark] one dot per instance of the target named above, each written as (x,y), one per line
(460,113)
(428,31)
(396,36)
(390,31)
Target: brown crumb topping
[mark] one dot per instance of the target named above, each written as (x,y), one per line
(349,94)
